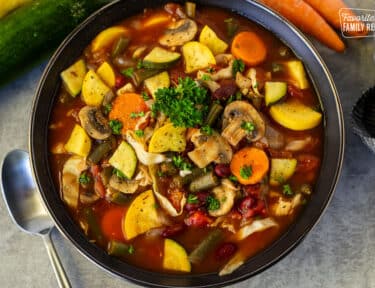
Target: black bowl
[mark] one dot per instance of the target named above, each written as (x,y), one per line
(72,48)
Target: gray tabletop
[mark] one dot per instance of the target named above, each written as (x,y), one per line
(339,252)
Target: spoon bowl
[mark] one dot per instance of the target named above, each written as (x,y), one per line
(25,207)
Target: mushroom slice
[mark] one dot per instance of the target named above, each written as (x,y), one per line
(72,169)
(178,33)
(88,197)
(213,148)
(237,113)
(94,123)
(243,83)
(164,201)
(225,194)
(124,186)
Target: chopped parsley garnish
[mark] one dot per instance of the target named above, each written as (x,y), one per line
(119,174)
(233,178)
(186,105)
(207,130)
(180,163)
(137,114)
(160,173)
(206,77)
(116,126)
(139,133)
(276,67)
(210,69)
(107,108)
(145,96)
(213,203)
(238,66)
(192,199)
(249,127)
(238,95)
(131,249)
(287,190)
(128,72)
(246,172)
(84,178)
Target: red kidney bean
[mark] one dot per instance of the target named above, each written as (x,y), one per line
(252,190)
(222,170)
(173,230)
(119,81)
(246,207)
(190,207)
(226,90)
(225,251)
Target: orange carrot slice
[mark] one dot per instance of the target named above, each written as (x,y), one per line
(308,20)
(248,47)
(128,108)
(249,165)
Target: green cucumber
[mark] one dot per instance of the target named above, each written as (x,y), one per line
(35,29)
(160,58)
(274,91)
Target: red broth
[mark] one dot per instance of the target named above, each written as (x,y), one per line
(106,212)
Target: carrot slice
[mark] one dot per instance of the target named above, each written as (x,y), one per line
(248,47)
(249,165)
(111,223)
(330,10)
(308,20)
(128,108)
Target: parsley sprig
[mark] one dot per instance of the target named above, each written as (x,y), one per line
(180,163)
(116,126)
(186,105)
(246,171)
(238,66)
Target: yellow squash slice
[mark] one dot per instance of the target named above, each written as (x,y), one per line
(197,56)
(168,138)
(107,74)
(79,142)
(209,38)
(295,115)
(73,77)
(93,89)
(141,216)
(175,257)
(107,37)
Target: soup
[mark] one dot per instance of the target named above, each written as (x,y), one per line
(185,139)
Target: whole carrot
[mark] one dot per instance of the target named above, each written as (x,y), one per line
(308,20)
(330,10)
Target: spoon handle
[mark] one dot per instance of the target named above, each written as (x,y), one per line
(61,277)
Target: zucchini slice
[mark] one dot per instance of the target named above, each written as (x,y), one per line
(274,91)
(124,159)
(160,58)
(157,82)
(281,170)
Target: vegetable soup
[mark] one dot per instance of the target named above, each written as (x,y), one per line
(185,139)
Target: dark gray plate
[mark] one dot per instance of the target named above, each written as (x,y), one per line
(72,48)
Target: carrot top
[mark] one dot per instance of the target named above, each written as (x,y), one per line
(249,165)
(128,108)
(248,47)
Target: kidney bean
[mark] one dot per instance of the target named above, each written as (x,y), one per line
(225,251)
(246,207)
(173,230)
(307,163)
(198,219)
(119,81)
(226,90)
(190,207)
(252,190)
(222,170)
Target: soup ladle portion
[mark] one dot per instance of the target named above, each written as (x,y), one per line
(25,208)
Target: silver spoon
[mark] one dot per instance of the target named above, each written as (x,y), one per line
(25,207)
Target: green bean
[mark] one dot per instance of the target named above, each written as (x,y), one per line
(119,198)
(208,244)
(99,152)
(213,114)
(93,224)
(117,248)
(232,26)
(204,182)
(142,74)
(120,46)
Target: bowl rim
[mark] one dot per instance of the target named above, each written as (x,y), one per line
(171,280)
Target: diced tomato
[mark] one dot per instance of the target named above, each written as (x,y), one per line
(119,81)
(111,223)
(198,219)
(99,187)
(295,92)
(307,163)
